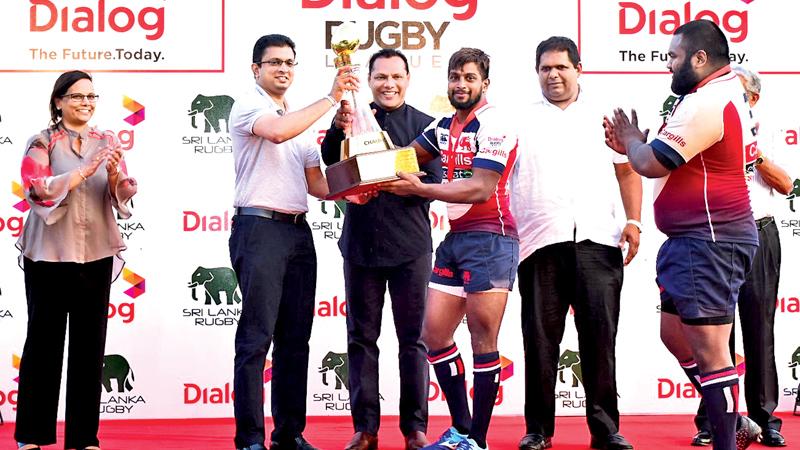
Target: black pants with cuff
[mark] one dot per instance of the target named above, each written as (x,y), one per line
(58,293)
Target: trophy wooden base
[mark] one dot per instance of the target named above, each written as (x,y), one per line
(362,172)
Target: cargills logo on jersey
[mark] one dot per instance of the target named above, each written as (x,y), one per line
(421,39)
(113,35)
(634,36)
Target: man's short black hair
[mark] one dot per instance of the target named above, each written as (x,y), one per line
(271,40)
(558,44)
(707,36)
(470,55)
(387,53)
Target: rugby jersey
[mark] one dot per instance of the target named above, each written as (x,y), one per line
(707,141)
(483,141)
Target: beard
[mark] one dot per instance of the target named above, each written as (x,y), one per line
(684,79)
(465,105)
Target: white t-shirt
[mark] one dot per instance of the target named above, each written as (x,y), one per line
(269,175)
(564,187)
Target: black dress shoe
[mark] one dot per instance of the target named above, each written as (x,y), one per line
(362,441)
(299,443)
(534,441)
(613,441)
(416,440)
(772,438)
(702,439)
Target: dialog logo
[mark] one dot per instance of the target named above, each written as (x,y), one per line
(9,396)
(113,35)
(135,108)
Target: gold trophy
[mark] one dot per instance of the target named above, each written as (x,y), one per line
(368,155)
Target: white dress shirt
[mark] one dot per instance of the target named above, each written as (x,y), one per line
(564,187)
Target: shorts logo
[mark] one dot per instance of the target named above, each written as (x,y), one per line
(570,362)
(137,281)
(338,364)
(212,109)
(136,108)
(215,281)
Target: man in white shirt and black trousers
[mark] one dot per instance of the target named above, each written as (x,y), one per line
(271,246)
(564,198)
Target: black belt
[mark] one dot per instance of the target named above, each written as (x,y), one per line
(271,214)
(764,221)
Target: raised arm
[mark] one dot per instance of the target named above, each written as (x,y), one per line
(279,129)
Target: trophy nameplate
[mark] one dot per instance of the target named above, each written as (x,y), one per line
(360,173)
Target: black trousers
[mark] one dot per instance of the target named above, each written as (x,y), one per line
(276,266)
(757,303)
(366,289)
(57,293)
(588,277)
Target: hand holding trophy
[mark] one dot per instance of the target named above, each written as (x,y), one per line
(344,43)
(368,155)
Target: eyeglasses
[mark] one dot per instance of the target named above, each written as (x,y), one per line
(275,62)
(79,98)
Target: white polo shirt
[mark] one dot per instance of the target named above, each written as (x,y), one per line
(564,187)
(269,175)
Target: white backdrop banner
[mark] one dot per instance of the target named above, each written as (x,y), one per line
(168,71)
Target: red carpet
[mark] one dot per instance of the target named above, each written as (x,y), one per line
(332,433)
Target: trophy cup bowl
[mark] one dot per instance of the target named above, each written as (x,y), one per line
(368,155)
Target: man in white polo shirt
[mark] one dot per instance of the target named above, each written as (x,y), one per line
(564,198)
(271,247)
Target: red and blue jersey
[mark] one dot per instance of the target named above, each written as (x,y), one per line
(483,141)
(707,141)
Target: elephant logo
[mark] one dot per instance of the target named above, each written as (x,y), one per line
(794,194)
(338,209)
(570,360)
(213,109)
(116,367)
(795,363)
(667,106)
(336,363)
(214,281)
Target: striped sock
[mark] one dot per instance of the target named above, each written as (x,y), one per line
(449,369)
(720,390)
(692,371)
(486,382)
